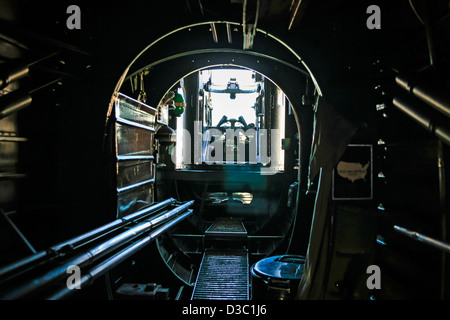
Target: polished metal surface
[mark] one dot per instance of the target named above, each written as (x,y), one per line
(134,140)
(87,148)
(441,245)
(134,111)
(283,267)
(114,260)
(431,96)
(424,119)
(97,252)
(12,103)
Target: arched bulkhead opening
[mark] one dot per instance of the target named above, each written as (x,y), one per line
(263,196)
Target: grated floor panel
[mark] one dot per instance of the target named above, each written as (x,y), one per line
(223,275)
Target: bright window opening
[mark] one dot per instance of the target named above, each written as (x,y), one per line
(239,120)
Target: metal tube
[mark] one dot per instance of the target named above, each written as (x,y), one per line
(18,232)
(229,36)
(119,257)
(17,73)
(214,33)
(440,102)
(105,247)
(13,42)
(27,36)
(421,118)
(45,85)
(442,133)
(86,236)
(443,207)
(92,255)
(12,103)
(429,33)
(32,63)
(24,262)
(151,209)
(16,101)
(134,186)
(12,139)
(164,217)
(420,237)
(133,124)
(128,157)
(244,16)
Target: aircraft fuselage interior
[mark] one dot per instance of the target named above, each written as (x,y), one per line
(224,150)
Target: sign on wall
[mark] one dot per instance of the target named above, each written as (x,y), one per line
(353,174)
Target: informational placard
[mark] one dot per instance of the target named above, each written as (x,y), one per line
(353,174)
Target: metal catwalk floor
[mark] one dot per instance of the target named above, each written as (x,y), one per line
(223,275)
(226,227)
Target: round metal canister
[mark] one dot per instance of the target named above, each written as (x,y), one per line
(277,277)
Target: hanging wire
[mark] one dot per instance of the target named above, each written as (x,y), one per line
(415,12)
(19,233)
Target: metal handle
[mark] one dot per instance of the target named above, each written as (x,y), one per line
(290,259)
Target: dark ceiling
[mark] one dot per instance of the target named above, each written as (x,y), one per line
(330,35)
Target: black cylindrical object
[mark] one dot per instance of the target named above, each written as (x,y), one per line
(277,277)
